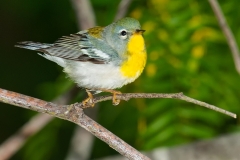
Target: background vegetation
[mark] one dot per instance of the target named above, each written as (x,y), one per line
(187,52)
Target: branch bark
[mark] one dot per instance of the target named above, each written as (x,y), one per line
(227,32)
(73,114)
(35,124)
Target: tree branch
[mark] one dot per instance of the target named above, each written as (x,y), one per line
(16,141)
(81,144)
(73,114)
(35,124)
(122,9)
(227,32)
(85,14)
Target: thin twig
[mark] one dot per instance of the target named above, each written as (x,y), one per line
(122,9)
(181,96)
(227,32)
(73,114)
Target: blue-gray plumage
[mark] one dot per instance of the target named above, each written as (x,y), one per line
(93,58)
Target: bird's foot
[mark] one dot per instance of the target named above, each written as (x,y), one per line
(115,101)
(88,101)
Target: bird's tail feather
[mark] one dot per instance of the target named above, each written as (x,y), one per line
(36,46)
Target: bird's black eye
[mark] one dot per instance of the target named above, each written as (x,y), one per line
(123,33)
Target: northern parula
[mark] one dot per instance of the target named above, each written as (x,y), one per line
(100,58)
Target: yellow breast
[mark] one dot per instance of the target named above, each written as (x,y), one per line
(136,57)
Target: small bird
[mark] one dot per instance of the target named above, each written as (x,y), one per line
(99,59)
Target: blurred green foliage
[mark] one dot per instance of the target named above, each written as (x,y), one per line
(187,52)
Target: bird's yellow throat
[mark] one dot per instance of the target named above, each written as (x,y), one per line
(137,57)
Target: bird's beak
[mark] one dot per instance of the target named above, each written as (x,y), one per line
(140,31)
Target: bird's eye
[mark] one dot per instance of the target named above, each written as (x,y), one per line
(123,34)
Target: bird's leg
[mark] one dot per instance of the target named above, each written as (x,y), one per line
(115,101)
(88,100)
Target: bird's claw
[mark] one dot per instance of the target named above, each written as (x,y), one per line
(115,101)
(88,101)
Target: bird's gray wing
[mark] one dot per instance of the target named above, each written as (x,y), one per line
(78,47)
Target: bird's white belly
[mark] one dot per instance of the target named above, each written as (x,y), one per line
(93,76)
